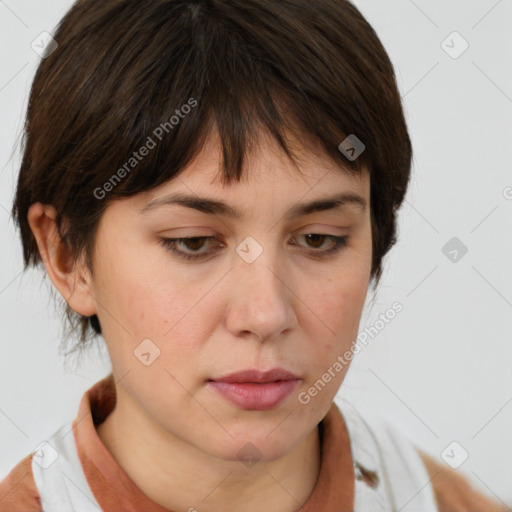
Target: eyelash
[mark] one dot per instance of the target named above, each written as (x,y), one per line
(339,243)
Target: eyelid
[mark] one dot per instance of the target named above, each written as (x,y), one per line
(338,244)
(169,243)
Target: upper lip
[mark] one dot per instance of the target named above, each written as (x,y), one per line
(252,375)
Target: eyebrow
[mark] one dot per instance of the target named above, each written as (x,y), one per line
(215,207)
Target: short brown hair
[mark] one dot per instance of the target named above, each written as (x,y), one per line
(122,68)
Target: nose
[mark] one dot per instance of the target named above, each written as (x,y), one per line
(262,302)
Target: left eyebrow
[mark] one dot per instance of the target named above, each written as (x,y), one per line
(216,207)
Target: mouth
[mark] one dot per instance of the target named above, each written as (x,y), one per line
(254,389)
(257,376)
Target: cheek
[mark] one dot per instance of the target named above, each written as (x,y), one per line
(137,299)
(163,310)
(141,292)
(342,298)
(338,307)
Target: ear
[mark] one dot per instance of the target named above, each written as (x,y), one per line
(73,280)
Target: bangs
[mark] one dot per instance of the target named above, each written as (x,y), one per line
(182,72)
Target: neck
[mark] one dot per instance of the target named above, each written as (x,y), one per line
(179,476)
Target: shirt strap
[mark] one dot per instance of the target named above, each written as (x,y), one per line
(59,475)
(389,473)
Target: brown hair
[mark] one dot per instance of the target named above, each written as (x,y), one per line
(125,68)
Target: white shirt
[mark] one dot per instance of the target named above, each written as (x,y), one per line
(401,481)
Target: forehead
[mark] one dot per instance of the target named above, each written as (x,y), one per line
(267,169)
(272,191)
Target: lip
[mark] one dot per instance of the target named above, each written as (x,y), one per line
(257,376)
(254,389)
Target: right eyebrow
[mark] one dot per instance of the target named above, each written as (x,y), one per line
(216,207)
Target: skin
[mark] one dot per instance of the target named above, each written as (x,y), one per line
(173,435)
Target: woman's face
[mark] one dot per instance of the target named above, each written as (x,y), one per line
(260,293)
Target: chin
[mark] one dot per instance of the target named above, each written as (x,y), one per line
(255,447)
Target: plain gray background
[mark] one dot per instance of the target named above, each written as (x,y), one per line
(441,368)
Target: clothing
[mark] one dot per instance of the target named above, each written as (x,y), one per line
(74,471)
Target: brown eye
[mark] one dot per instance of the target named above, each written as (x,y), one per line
(192,246)
(317,240)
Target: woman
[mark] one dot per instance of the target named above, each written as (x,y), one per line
(212,187)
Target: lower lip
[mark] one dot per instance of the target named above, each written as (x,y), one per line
(254,396)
